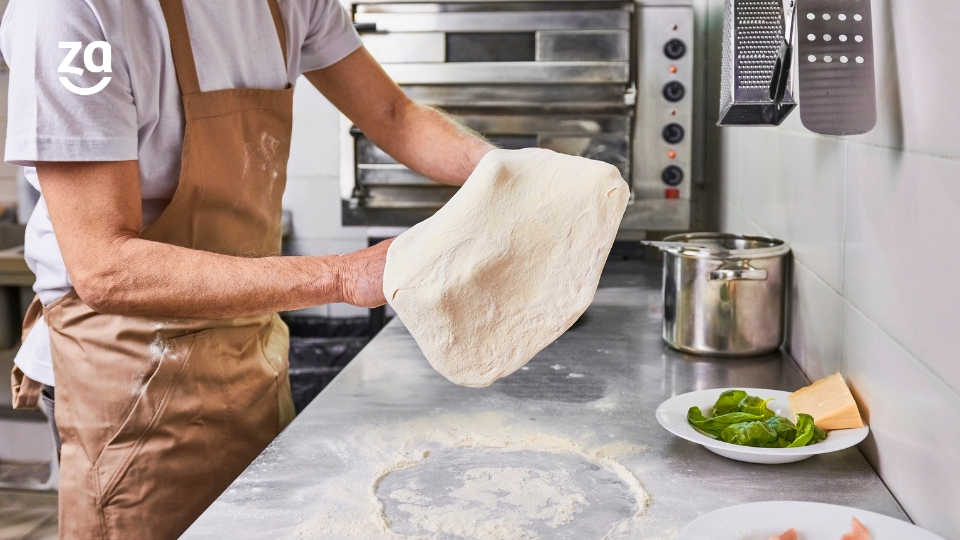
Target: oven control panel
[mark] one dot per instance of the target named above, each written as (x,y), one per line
(663,142)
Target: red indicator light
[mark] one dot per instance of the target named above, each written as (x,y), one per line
(672,193)
(673,69)
(671,154)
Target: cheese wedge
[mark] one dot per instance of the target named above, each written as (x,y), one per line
(829,402)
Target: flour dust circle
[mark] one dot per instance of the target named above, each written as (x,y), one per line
(491,493)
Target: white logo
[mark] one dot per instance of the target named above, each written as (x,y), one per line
(104,66)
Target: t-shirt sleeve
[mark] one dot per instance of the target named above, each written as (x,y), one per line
(330,36)
(46,121)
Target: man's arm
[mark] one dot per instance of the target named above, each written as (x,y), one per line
(417,136)
(96,215)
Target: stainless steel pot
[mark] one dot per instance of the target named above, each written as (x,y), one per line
(723,294)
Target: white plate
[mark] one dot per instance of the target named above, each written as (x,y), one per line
(672,415)
(813,521)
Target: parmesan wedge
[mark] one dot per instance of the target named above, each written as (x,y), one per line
(829,402)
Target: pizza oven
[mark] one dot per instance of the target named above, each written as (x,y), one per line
(611,81)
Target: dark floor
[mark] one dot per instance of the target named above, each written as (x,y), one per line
(28,515)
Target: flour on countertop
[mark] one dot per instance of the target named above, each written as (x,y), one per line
(496,502)
(492,502)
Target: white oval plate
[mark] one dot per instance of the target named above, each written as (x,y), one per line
(813,521)
(672,415)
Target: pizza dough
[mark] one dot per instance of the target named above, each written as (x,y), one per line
(508,264)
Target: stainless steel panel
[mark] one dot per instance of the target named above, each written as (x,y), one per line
(583,46)
(407,196)
(369,153)
(657,215)
(657,27)
(393,174)
(510,73)
(547,124)
(465,6)
(610,149)
(493,21)
(530,96)
(405,48)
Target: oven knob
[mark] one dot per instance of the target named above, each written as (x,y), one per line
(673,133)
(674,91)
(675,49)
(672,175)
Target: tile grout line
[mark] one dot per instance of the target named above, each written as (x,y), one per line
(905,348)
(843,244)
(848,140)
(906,151)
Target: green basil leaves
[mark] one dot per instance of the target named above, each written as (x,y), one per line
(746,420)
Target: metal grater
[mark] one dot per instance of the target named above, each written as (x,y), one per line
(835,39)
(753,31)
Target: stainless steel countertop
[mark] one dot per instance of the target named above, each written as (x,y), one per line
(625,366)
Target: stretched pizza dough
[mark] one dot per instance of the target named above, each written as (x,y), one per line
(508,264)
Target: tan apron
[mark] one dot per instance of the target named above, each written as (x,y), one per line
(159,416)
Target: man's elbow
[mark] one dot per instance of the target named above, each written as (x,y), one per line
(100,290)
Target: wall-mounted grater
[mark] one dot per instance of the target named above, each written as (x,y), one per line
(753,31)
(838,93)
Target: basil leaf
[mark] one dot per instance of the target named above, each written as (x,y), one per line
(746,420)
(729,401)
(786,431)
(758,406)
(754,433)
(807,432)
(714,426)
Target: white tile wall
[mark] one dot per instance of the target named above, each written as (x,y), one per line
(903,214)
(811,176)
(314,146)
(910,445)
(314,202)
(814,330)
(873,221)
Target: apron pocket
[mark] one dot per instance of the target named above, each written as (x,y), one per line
(276,349)
(122,448)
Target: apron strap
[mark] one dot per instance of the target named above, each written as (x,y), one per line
(183,60)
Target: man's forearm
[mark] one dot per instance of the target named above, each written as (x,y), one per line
(141,277)
(432,144)
(421,138)
(95,211)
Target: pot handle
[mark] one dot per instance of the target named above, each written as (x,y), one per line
(742,272)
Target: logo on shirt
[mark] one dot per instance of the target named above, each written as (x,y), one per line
(88,62)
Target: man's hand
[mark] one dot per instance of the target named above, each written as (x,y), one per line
(361,276)
(421,138)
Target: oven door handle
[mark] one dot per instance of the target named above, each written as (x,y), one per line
(365,27)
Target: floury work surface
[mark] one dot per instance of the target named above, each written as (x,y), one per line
(566,448)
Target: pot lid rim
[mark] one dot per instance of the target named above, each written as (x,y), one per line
(778,247)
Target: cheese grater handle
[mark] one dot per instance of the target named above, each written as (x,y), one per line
(781,70)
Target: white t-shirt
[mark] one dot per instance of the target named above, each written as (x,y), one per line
(138,114)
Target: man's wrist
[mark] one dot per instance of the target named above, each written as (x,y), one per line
(329,279)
